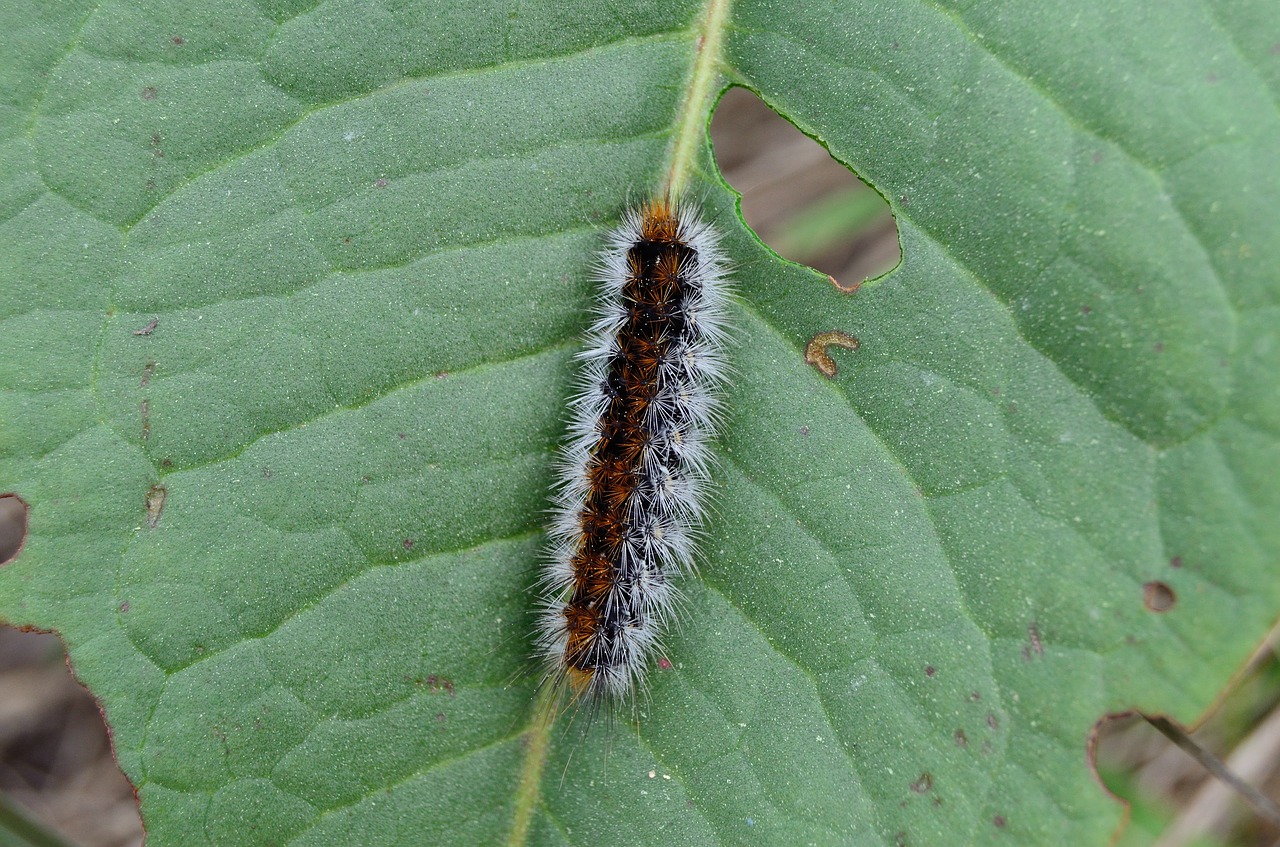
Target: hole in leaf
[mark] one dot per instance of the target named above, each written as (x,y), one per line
(1170,791)
(805,205)
(58,765)
(13,527)
(1157,596)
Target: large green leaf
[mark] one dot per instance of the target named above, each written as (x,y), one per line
(290,293)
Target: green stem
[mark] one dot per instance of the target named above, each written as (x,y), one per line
(691,120)
(537,742)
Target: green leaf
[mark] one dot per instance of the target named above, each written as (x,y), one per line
(289,297)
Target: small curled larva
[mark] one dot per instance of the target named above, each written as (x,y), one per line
(633,475)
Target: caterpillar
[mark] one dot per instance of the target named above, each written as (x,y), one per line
(633,473)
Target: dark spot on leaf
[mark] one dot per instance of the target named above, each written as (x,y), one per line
(266,473)
(158,153)
(380,183)
(804,430)
(1035,647)
(166,463)
(923,784)
(149,93)
(402,435)
(900,840)
(1158,346)
(148,370)
(992,720)
(149,328)
(930,670)
(436,684)
(144,408)
(151,185)
(974,697)
(156,139)
(1157,596)
(124,607)
(1175,562)
(815,351)
(962,740)
(178,40)
(407,543)
(664,663)
(14,514)
(156,495)
(440,718)
(199,649)
(442,374)
(999,821)
(1084,310)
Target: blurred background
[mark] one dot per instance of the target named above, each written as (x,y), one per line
(59,784)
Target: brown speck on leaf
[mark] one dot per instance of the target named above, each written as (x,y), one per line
(407,544)
(1158,346)
(178,40)
(1084,310)
(923,784)
(144,408)
(962,740)
(999,821)
(1158,596)
(151,185)
(930,670)
(992,720)
(148,371)
(1035,647)
(664,663)
(974,697)
(436,684)
(124,607)
(1175,562)
(815,352)
(156,495)
(804,430)
(149,328)
(149,93)
(442,374)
